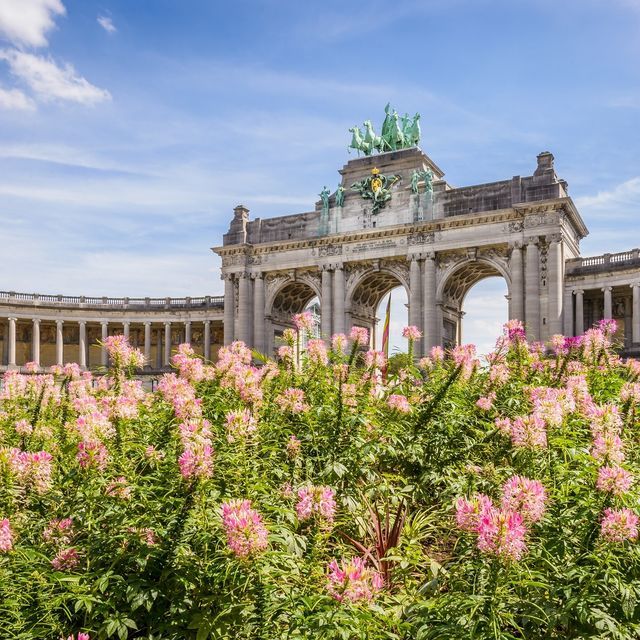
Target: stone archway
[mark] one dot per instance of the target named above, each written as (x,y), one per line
(285,297)
(366,289)
(457,279)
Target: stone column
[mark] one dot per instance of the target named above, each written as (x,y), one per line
(147,344)
(104,356)
(229,309)
(532,290)
(554,284)
(158,348)
(415,298)
(635,313)
(258,312)
(35,342)
(607,303)
(207,339)
(325,302)
(579,311)
(516,306)
(430,310)
(567,313)
(82,344)
(126,325)
(12,343)
(187,331)
(244,309)
(338,299)
(59,343)
(167,344)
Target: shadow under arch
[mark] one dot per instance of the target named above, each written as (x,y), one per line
(455,284)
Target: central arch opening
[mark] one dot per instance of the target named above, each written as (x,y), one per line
(474,305)
(369,307)
(293,298)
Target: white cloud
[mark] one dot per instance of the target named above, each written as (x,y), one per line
(623,201)
(107,24)
(15,100)
(26,22)
(51,82)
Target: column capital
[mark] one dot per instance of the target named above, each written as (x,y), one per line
(227,276)
(35,320)
(430,255)
(147,323)
(59,323)
(606,289)
(415,257)
(104,323)
(167,323)
(82,323)
(187,321)
(577,292)
(326,267)
(126,322)
(338,266)
(257,276)
(554,237)
(532,241)
(516,244)
(633,285)
(206,322)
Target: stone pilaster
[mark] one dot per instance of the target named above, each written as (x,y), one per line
(207,340)
(12,343)
(430,310)
(415,298)
(167,344)
(147,344)
(229,309)
(325,302)
(59,343)
(338,299)
(516,270)
(82,344)
(579,293)
(554,284)
(35,341)
(245,316)
(258,313)
(187,331)
(532,291)
(635,313)
(608,306)
(104,356)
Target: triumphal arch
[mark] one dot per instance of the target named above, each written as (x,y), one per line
(394,220)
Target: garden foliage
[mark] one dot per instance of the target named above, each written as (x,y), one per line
(309,497)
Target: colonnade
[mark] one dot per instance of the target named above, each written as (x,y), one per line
(163,336)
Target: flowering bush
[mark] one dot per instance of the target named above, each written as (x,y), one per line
(313,497)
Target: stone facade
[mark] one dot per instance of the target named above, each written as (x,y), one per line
(436,244)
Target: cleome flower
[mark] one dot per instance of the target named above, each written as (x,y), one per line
(316,501)
(246,533)
(351,580)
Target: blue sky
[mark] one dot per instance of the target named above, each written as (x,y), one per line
(130,130)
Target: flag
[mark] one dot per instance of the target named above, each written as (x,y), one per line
(385,329)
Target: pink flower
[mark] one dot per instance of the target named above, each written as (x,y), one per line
(399,403)
(525,496)
(317,352)
(349,394)
(32,469)
(619,525)
(529,432)
(351,580)
(285,352)
(119,488)
(81,636)
(502,533)
(468,512)
(23,428)
(246,533)
(292,400)
(485,403)
(359,336)
(437,354)
(630,392)
(153,454)
(375,359)
(189,365)
(303,321)
(293,447)
(607,447)
(66,560)
(240,425)
(514,331)
(31,367)
(196,461)
(316,501)
(411,333)
(59,532)
(338,342)
(92,453)
(122,354)
(6,536)
(615,480)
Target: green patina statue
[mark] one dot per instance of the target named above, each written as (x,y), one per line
(376,187)
(340,196)
(324,196)
(415,177)
(396,133)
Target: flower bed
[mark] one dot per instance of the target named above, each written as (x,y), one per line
(310,498)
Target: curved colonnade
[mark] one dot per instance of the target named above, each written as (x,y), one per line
(49,330)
